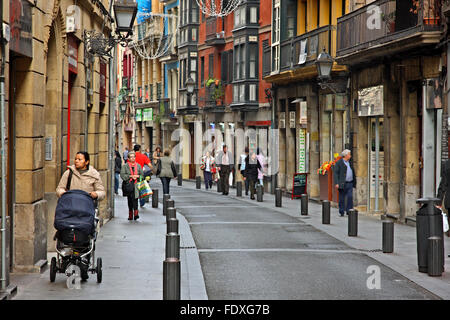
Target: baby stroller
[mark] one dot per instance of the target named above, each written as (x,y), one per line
(76,224)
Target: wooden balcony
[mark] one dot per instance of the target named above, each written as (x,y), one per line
(401,28)
(215,36)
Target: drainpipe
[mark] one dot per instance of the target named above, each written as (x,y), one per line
(112,87)
(3,155)
(274,126)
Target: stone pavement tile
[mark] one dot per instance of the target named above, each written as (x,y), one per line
(369,240)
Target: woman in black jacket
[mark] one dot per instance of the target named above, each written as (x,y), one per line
(252,165)
(117,168)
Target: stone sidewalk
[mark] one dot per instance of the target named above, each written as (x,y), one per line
(369,239)
(133,253)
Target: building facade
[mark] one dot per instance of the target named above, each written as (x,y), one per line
(57,103)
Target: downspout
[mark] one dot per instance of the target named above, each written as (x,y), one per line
(274,127)
(3,155)
(112,86)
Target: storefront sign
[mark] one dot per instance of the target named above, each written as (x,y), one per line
(21,27)
(302,151)
(102,82)
(138,115)
(258,123)
(147,114)
(299,184)
(371,102)
(434,94)
(282,119)
(303,113)
(73,54)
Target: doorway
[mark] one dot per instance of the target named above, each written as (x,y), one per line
(375,165)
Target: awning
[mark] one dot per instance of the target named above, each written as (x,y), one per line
(298,100)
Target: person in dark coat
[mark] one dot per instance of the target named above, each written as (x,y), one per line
(117,168)
(252,165)
(345,181)
(444,190)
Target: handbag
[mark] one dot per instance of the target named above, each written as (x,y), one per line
(128,186)
(144,189)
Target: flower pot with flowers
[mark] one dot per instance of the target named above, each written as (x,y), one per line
(325,173)
(218,91)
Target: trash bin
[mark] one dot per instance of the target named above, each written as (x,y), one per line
(428,224)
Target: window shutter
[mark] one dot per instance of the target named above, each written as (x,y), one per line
(230,66)
(211,66)
(224,67)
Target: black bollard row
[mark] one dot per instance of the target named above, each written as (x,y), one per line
(173,245)
(278,197)
(304,205)
(169,204)
(198,182)
(155,198)
(435,257)
(171,213)
(388,237)
(171,279)
(352,223)
(172,225)
(326,212)
(239,189)
(259,193)
(166,197)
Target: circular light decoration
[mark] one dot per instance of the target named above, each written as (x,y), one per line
(155,35)
(218,8)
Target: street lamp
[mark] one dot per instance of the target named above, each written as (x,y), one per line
(125,13)
(324,63)
(190,85)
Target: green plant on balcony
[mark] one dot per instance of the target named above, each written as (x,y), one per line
(430,10)
(218,91)
(389,19)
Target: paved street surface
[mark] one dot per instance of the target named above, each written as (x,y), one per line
(247,250)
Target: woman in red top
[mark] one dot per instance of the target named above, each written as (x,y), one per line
(131,171)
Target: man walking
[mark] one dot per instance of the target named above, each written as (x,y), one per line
(224,162)
(242,169)
(345,180)
(143,161)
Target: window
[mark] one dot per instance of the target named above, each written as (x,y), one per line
(202,71)
(239,16)
(253,53)
(276,37)
(289,21)
(252,92)
(224,66)
(239,58)
(194,34)
(253,15)
(211,65)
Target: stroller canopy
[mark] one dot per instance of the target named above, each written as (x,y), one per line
(75,210)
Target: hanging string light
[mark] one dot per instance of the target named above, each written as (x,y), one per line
(218,8)
(154,37)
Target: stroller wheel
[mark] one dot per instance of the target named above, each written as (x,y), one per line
(99,270)
(53,270)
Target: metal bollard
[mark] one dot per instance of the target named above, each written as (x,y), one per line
(435,256)
(165,198)
(352,223)
(259,193)
(172,225)
(198,182)
(180,179)
(169,204)
(388,237)
(171,279)
(325,212)
(304,205)
(173,245)
(155,198)
(239,189)
(278,197)
(219,185)
(171,213)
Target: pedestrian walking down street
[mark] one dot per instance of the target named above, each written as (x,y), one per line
(156,156)
(262,161)
(117,168)
(145,164)
(242,169)
(207,166)
(132,172)
(344,177)
(252,165)
(125,155)
(166,171)
(444,191)
(225,164)
(148,153)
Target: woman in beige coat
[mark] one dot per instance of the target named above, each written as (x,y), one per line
(84,177)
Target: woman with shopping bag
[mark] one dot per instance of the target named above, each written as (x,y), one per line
(131,173)
(444,194)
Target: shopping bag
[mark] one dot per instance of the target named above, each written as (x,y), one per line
(445,221)
(144,189)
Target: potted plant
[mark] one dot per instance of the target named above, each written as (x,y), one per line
(218,92)
(325,173)
(389,19)
(430,11)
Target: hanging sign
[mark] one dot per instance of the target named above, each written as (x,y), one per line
(138,115)
(302,151)
(147,114)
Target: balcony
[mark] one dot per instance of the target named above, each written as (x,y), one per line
(314,42)
(139,94)
(169,43)
(159,91)
(215,36)
(210,104)
(402,28)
